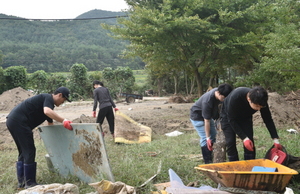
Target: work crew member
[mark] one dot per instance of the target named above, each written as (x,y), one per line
(23,119)
(236,119)
(202,115)
(106,105)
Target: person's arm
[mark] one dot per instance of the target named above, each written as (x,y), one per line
(207,127)
(268,120)
(53,115)
(111,100)
(95,102)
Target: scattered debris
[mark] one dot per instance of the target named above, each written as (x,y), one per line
(109,187)
(52,189)
(174,133)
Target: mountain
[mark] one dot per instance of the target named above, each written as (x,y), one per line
(56,45)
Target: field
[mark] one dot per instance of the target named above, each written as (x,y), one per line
(132,164)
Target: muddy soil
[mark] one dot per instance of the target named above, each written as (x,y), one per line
(162,115)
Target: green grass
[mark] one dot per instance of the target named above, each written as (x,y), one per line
(140,77)
(133,166)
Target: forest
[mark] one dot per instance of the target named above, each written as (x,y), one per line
(55,45)
(185,46)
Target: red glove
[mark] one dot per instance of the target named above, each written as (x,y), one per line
(248,144)
(116,109)
(67,124)
(209,144)
(277,144)
(94,114)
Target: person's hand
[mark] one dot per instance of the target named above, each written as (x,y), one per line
(94,114)
(277,144)
(116,109)
(209,144)
(248,144)
(67,124)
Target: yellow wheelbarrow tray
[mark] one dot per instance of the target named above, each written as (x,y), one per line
(239,175)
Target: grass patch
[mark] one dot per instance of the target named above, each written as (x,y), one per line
(133,165)
(140,77)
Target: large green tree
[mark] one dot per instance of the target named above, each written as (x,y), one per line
(279,68)
(204,37)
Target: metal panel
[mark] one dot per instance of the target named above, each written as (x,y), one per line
(80,152)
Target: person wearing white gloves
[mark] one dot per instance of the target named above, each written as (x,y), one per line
(23,119)
(236,119)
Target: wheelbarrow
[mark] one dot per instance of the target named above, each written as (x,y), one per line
(80,152)
(239,174)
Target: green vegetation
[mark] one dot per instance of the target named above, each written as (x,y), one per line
(197,43)
(132,165)
(140,77)
(185,46)
(55,46)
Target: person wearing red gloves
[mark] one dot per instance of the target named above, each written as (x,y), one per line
(202,115)
(236,119)
(23,119)
(106,105)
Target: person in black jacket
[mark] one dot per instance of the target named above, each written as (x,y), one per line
(106,105)
(202,115)
(236,119)
(23,119)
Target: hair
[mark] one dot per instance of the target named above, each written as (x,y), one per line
(96,82)
(225,89)
(258,95)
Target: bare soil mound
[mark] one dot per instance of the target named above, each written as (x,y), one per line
(285,112)
(9,99)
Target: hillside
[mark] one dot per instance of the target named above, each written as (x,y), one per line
(57,45)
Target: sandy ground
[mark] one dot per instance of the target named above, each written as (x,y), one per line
(162,115)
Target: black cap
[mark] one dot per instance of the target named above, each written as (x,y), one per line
(65,92)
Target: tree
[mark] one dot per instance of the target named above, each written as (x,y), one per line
(119,80)
(38,81)
(205,37)
(15,76)
(279,68)
(79,85)
(55,81)
(2,81)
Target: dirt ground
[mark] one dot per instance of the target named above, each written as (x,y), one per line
(162,115)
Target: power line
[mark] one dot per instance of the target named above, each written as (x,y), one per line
(98,18)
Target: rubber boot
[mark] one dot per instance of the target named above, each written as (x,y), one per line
(20,174)
(207,155)
(233,158)
(30,175)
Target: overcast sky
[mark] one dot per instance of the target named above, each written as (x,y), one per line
(57,9)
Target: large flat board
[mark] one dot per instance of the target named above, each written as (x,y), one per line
(80,152)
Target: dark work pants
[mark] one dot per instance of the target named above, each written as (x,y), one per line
(23,137)
(230,137)
(109,114)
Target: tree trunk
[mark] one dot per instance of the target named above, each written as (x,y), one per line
(219,153)
(199,82)
(175,84)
